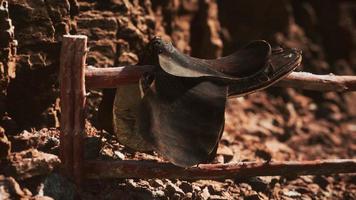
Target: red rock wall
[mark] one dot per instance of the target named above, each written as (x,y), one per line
(118,31)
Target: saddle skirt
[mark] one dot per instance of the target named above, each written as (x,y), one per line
(180,113)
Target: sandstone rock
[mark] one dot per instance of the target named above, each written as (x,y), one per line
(186,186)
(44,140)
(10,126)
(226,152)
(172,189)
(10,189)
(205,40)
(156,183)
(39,25)
(32,94)
(41,198)
(252,24)
(30,163)
(8,48)
(5,145)
(159,194)
(205,193)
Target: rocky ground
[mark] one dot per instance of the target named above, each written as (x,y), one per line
(281,124)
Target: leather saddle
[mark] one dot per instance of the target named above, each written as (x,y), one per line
(181,110)
(254,67)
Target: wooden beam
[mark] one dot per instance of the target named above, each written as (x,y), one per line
(78,80)
(68,51)
(74,77)
(309,81)
(149,169)
(72,85)
(112,77)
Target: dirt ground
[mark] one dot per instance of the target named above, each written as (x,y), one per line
(278,124)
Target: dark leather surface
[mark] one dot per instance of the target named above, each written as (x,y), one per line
(249,60)
(279,65)
(183,118)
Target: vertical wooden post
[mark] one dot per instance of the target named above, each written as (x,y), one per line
(72,76)
(79,107)
(66,139)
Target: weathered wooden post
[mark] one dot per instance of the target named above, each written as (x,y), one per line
(66,145)
(72,76)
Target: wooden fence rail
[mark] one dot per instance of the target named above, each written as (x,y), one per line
(75,76)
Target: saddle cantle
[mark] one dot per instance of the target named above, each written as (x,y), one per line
(239,65)
(180,113)
(280,63)
(252,68)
